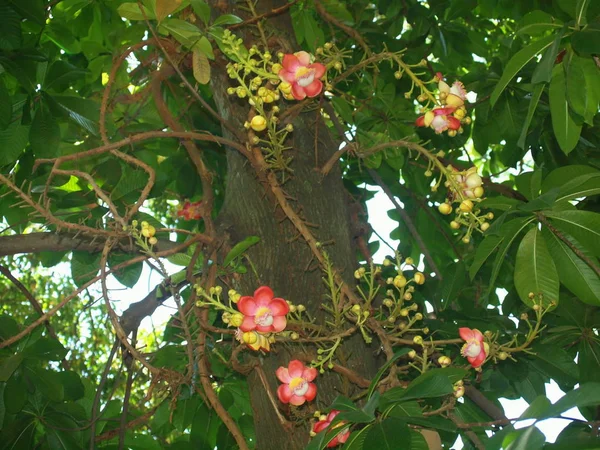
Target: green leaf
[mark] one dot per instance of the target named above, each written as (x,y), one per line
(573,272)
(226,19)
(543,71)
(417,441)
(71,381)
(583,88)
(589,359)
(484,250)
(15,395)
(390,434)
(587,41)
(537,22)
(530,438)
(556,363)
(186,33)
(337,9)
(588,394)
(537,408)
(61,75)
(582,186)
(44,134)
(127,276)
(580,11)
(434,383)
(132,11)
(164,8)
(356,440)
(535,270)
(5,106)
(239,248)
(48,383)
(202,10)
(562,175)
(179,259)
(83,112)
(384,368)
(205,47)
(12,142)
(567,131)
(46,349)
(517,62)
(533,102)
(84,267)
(9,365)
(509,231)
(10,24)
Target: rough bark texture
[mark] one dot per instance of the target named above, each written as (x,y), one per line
(283,262)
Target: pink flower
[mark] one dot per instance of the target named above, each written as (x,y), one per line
(475,350)
(440,119)
(297,387)
(302,75)
(262,312)
(322,424)
(190,211)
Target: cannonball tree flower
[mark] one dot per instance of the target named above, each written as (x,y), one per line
(304,77)
(475,350)
(297,387)
(262,312)
(190,211)
(455,95)
(470,182)
(439,119)
(324,423)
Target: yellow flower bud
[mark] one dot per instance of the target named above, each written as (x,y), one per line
(484,226)
(445,209)
(152,241)
(502,356)
(404,312)
(294,336)
(419,316)
(356,309)
(454,225)
(388,302)
(478,192)
(412,354)
(418,340)
(444,361)
(409,261)
(466,206)
(301,308)
(236,320)
(250,337)
(285,87)
(419,278)
(400,281)
(258,123)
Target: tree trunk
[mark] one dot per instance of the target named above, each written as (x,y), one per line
(282,259)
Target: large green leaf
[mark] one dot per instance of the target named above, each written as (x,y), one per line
(556,363)
(517,62)
(573,272)
(44,134)
(10,24)
(565,128)
(587,41)
(84,267)
(132,11)
(434,383)
(5,106)
(530,438)
(537,22)
(582,186)
(543,71)
(390,434)
(535,270)
(533,102)
(12,142)
(129,275)
(84,112)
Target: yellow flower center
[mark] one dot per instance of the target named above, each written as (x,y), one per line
(264,316)
(299,386)
(305,76)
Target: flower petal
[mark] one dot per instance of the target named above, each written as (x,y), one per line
(286,75)
(321,425)
(263,295)
(443,111)
(303,57)
(248,324)
(420,122)
(279,324)
(296,368)
(314,88)
(477,335)
(298,92)
(477,360)
(279,307)
(297,401)
(319,69)
(453,123)
(264,328)
(283,375)
(290,63)
(309,374)
(284,393)
(466,334)
(312,392)
(247,306)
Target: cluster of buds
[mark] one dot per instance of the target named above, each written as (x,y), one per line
(465,188)
(146,235)
(449,112)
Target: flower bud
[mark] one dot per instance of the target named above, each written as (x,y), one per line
(404,312)
(536,307)
(250,337)
(258,123)
(418,340)
(478,192)
(419,316)
(390,280)
(419,278)
(484,226)
(490,216)
(289,128)
(524,316)
(388,302)
(502,356)
(466,206)
(407,296)
(466,240)
(152,241)
(454,225)
(412,354)
(409,261)
(459,392)
(295,336)
(397,75)
(445,209)
(444,361)
(386,262)
(356,309)
(236,320)
(301,308)
(400,281)
(337,65)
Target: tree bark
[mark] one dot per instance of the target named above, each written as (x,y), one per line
(282,259)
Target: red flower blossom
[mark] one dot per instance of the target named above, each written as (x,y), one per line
(297,387)
(440,119)
(302,75)
(475,350)
(262,312)
(190,211)
(341,437)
